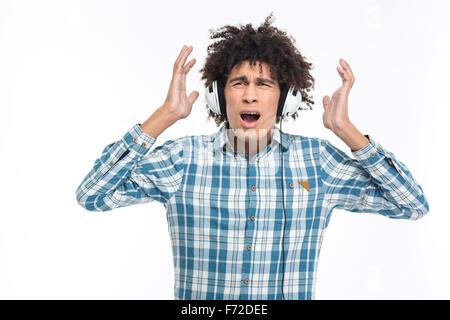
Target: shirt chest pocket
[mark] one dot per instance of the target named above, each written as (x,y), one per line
(303,193)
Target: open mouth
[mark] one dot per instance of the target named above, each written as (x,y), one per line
(249,119)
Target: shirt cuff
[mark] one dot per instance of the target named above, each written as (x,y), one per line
(138,141)
(371,154)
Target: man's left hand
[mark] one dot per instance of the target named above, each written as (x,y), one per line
(335,116)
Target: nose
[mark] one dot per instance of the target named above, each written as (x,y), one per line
(249,94)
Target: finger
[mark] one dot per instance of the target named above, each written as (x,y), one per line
(346,81)
(193,96)
(189,66)
(343,74)
(180,55)
(326,101)
(347,68)
(184,57)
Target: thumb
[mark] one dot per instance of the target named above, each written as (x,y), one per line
(193,96)
(326,102)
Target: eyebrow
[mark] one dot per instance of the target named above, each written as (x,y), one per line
(245,79)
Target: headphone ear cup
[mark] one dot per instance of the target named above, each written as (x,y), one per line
(212,98)
(215,97)
(282,100)
(221,96)
(292,102)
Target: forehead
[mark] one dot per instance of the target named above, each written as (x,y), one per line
(245,68)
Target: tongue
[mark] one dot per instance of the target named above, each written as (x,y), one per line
(250,117)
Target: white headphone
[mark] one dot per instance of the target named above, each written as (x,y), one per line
(289,102)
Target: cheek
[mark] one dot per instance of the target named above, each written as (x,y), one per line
(273,103)
(232,114)
(272,110)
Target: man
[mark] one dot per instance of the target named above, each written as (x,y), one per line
(240,227)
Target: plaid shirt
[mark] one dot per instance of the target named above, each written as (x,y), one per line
(225,210)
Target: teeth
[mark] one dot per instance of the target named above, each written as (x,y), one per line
(251,113)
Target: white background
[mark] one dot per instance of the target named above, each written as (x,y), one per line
(76,75)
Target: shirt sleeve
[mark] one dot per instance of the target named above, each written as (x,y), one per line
(128,173)
(374,182)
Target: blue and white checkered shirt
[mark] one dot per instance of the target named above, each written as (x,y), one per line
(225,210)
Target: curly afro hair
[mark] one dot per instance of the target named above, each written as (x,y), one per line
(266,44)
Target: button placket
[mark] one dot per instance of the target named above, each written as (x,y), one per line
(249,224)
(393,165)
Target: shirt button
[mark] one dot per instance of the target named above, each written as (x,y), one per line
(253,188)
(144,144)
(246,281)
(390,161)
(134,139)
(399,171)
(291,185)
(252,218)
(372,155)
(249,247)
(379,149)
(111,163)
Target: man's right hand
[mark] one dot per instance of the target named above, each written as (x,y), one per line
(177,105)
(177,102)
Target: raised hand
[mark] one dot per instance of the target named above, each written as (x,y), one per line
(335,115)
(177,102)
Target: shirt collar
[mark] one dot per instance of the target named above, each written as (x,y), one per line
(221,138)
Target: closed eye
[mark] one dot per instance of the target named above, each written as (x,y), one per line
(262,83)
